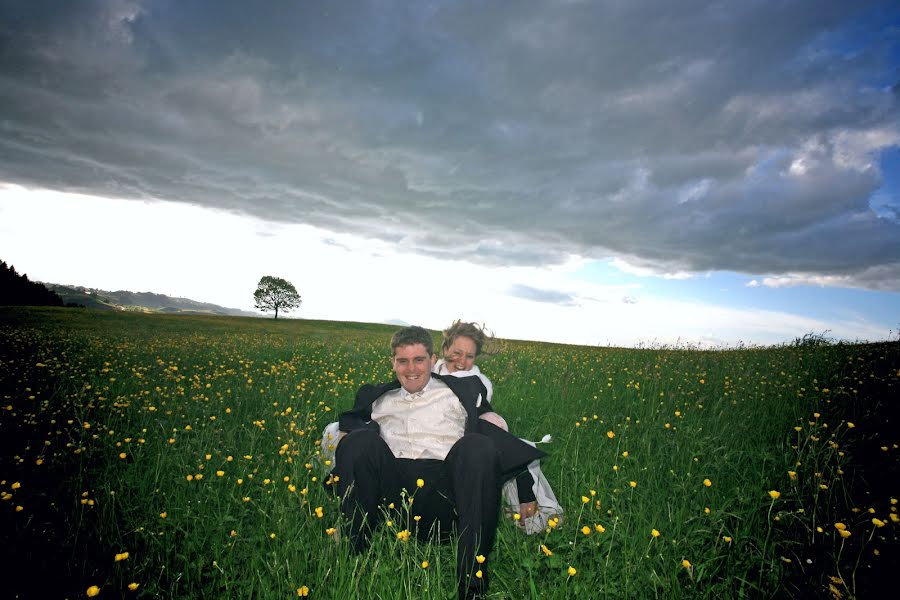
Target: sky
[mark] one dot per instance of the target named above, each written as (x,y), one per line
(598,172)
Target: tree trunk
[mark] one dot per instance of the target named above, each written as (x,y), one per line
(276,312)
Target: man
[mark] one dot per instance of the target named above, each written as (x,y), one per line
(423,428)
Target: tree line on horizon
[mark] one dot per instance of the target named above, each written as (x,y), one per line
(17,290)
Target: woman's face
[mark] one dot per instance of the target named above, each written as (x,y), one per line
(460,356)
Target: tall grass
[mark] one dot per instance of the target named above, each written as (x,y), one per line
(191,443)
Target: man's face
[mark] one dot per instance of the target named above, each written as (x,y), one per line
(460,356)
(412,364)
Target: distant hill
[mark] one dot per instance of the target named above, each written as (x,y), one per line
(140,301)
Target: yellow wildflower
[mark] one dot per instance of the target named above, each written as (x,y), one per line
(792,475)
(403,535)
(546,550)
(585,499)
(654,533)
(586,530)
(775,494)
(319,512)
(633,484)
(840,526)
(599,528)
(420,483)
(726,539)
(121,556)
(92,591)
(571,571)
(303,591)
(220,473)
(424,564)
(707,482)
(610,434)
(686,564)
(133,586)
(479,574)
(877,522)
(480,559)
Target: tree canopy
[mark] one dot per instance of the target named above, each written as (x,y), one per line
(18,290)
(275,293)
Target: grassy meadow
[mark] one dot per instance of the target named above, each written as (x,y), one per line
(178,457)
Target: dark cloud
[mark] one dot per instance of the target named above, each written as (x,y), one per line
(527,292)
(682,136)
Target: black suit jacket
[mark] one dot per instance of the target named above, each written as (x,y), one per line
(514,454)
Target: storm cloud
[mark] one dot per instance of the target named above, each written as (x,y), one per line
(678,137)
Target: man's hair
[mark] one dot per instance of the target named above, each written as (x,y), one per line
(410,336)
(475,332)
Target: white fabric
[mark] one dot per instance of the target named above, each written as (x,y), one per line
(421,425)
(440,367)
(548,505)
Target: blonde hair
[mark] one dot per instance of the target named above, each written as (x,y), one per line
(481,335)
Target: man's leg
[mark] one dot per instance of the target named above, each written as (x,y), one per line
(474,471)
(367,476)
(432,514)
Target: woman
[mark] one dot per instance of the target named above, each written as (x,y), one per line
(462,345)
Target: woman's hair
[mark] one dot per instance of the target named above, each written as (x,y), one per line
(479,334)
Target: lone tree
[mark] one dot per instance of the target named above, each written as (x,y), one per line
(275,293)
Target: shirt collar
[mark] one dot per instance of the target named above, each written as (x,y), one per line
(404,395)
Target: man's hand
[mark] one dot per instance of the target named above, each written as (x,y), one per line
(528,509)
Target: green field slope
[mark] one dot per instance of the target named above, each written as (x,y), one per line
(169,456)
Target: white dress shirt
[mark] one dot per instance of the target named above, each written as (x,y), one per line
(425,424)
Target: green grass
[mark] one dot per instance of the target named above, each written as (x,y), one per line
(181,397)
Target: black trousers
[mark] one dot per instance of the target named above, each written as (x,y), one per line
(461,492)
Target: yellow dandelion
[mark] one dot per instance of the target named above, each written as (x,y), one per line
(654,533)
(775,494)
(571,571)
(424,564)
(633,484)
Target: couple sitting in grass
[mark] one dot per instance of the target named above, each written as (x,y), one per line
(429,448)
